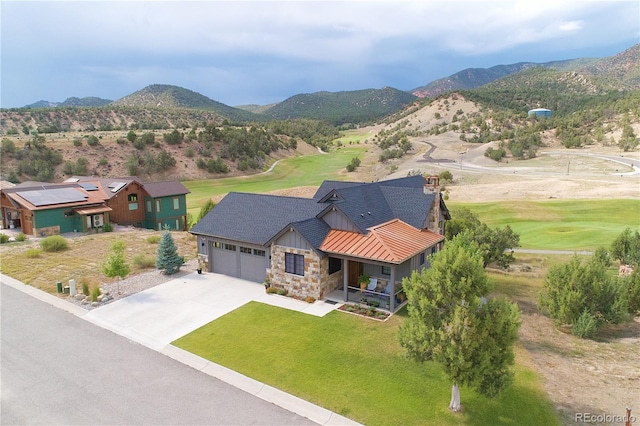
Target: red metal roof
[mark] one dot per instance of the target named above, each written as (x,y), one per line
(394,242)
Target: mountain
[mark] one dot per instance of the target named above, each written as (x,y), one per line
(168,97)
(90,101)
(342,107)
(621,71)
(471,78)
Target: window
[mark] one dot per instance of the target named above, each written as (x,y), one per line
(133,201)
(386,270)
(245,250)
(257,252)
(422,258)
(230,247)
(149,206)
(335,265)
(294,263)
(158,205)
(217,244)
(176,203)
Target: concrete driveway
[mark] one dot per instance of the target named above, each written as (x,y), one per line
(166,312)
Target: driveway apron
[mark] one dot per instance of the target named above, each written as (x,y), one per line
(159,315)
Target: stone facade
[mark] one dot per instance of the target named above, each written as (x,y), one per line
(316,281)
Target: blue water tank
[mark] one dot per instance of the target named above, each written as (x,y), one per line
(540,112)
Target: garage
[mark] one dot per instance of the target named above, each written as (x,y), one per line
(247,263)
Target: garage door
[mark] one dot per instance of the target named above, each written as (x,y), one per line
(238,261)
(252,264)
(225,259)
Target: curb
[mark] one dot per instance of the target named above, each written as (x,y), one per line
(258,389)
(268,393)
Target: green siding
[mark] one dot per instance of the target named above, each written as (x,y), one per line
(167,215)
(56,217)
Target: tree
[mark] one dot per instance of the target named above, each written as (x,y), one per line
(205,209)
(168,259)
(575,289)
(115,265)
(495,244)
(626,248)
(131,136)
(450,322)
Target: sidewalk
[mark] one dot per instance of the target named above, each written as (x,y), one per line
(157,316)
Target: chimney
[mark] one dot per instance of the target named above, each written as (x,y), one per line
(432,186)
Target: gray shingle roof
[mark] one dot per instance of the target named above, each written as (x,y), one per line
(254,218)
(313,230)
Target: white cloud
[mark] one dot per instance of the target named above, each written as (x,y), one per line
(571,26)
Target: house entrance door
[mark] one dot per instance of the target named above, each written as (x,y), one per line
(355,270)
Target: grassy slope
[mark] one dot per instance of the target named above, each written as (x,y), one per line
(561,224)
(359,370)
(307,170)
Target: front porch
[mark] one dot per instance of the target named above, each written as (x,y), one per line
(377,298)
(375,284)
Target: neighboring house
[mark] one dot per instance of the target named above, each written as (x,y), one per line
(43,209)
(313,246)
(152,205)
(81,204)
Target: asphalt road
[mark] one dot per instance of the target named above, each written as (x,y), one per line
(58,369)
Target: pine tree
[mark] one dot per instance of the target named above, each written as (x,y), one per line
(168,258)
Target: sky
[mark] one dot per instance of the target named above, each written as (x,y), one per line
(261,52)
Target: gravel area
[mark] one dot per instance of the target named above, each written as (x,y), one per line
(135,284)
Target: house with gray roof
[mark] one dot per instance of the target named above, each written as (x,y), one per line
(348,233)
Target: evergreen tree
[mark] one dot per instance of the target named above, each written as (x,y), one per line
(450,322)
(168,258)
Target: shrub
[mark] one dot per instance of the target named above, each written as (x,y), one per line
(32,253)
(92,140)
(54,243)
(4,238)
(585,326)
(107,227)
(142,261)
(309,299)
(95,292)
(21,237)
(282,291)
(85,287)
(272,290)
(153,239)
(77,142)
(353,165)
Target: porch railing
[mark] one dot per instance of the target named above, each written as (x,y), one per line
(374,298)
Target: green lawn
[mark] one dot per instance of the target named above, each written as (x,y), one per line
(561,224)
(308,170)
(355,367)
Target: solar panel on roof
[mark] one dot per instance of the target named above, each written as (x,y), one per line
(46,197)
(116,186)
(71,179)
(88,186)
